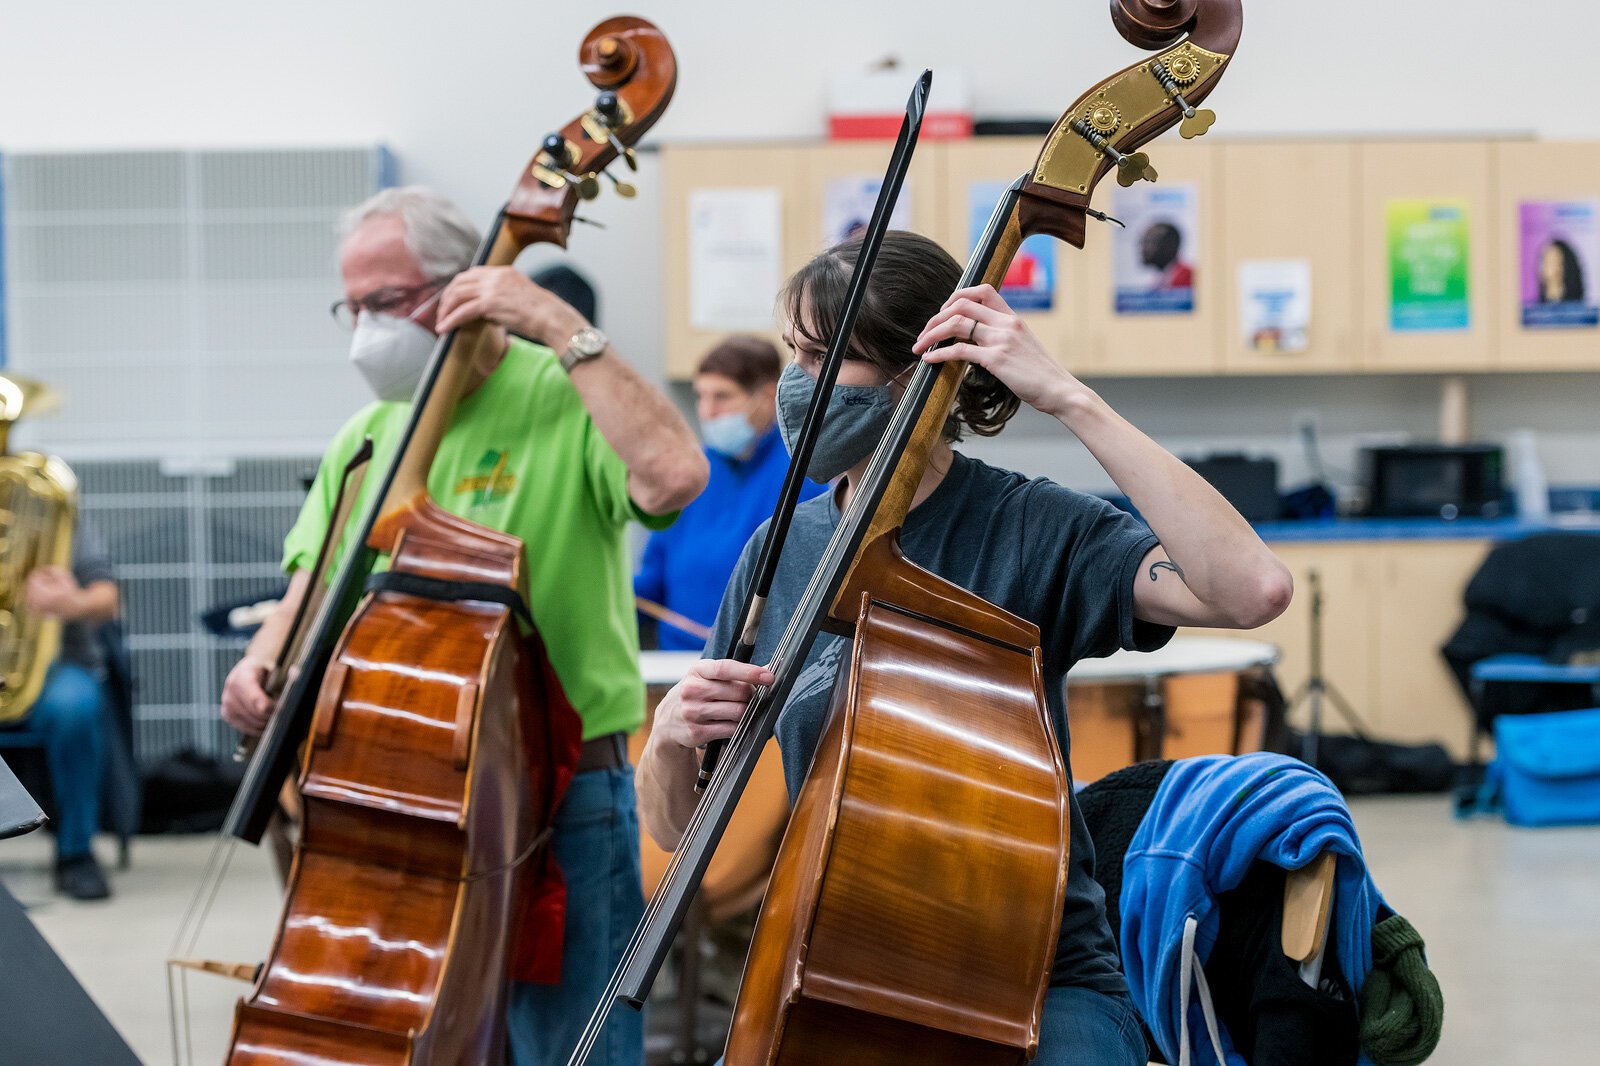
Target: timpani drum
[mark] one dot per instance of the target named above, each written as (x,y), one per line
(737,876)
(1188,698)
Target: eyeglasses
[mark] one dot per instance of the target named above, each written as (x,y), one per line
(387,300)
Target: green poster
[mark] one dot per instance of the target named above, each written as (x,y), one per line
(1428,265)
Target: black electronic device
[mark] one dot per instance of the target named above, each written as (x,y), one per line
(1434,481)
(1250,484)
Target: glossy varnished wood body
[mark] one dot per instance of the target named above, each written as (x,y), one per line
(419,802)
(913,911)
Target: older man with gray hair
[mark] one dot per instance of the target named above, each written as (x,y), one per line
(561,446)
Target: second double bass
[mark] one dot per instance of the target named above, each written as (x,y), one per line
(914,910)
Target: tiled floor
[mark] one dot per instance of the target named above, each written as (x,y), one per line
(1511,917)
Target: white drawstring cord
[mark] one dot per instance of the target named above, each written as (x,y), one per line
(1191,973)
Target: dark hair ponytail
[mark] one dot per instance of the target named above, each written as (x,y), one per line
(911,280)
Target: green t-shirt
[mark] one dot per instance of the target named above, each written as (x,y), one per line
(522,456)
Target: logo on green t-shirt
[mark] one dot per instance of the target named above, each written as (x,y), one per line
(491,484)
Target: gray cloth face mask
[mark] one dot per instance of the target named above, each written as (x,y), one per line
(855,420)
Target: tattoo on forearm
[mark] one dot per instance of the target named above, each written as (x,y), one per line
(1163,564)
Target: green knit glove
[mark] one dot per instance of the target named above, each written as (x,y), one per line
(1402,1009)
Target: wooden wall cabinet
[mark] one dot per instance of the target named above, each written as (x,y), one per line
(685,168)
(1539,171)
(1321,201)
(1442,170)
(1419,587)
(1292,200)
(1180,344)
(999,161)
(1387,607)
(924,191)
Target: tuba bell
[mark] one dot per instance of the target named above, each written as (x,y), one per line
(38,501)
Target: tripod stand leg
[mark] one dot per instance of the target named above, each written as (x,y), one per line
(1353,720)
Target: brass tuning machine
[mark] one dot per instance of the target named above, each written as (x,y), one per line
(1195,123)
(551,165)
(609,114)
(1130,168)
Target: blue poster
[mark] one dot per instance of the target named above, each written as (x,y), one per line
(1030,283)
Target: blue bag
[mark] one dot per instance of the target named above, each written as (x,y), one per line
(1547,767)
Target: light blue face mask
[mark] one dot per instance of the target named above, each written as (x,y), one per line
(855,420)
(731,435)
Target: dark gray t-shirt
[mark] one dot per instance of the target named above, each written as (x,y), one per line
(89,565)
(1061,559)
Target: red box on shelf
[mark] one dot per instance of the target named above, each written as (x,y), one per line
(870,105)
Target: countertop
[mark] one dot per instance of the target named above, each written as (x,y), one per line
(1342,529)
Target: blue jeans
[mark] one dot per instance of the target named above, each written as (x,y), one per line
(596,843)
(1084,1026)
(1088,1028)
(69,712)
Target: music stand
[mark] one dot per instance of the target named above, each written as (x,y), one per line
(19,813)
(1317,687)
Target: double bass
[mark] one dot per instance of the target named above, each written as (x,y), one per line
(913,911)
(430,735)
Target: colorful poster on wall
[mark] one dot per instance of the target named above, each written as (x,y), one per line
(1030,283)
(1428,260)
(1153,260)
(1560,252)
(847,205)
(735,257)
(1275,304)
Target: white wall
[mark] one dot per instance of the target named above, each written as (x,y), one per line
(462,92)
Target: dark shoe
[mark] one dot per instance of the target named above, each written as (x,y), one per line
(81,878)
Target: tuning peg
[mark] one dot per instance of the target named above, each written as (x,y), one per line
(1130,168)
(609,107)
(588,187)
(626,153)
(624,189)
(588,222)
(555,146)
(1195,123)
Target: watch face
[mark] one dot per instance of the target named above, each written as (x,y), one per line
(589,341)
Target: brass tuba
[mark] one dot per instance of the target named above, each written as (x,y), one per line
(38,501)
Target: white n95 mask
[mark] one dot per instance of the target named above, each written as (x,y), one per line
(391,353)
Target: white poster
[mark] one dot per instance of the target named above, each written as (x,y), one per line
(1275,304)
(1153,259)
(847,205)
(735,257)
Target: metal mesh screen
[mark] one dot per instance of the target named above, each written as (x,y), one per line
(178,302)
(179,299)
(185,541)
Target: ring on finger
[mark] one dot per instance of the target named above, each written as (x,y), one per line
(973,332)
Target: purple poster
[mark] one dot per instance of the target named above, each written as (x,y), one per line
(1560,252)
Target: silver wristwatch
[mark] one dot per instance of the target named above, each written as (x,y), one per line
(585,345)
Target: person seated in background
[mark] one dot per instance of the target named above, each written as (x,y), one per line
(686,566)
(70,710)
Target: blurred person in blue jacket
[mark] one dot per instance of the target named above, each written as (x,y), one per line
(686,566)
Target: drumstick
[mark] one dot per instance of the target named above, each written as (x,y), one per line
(672,618)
